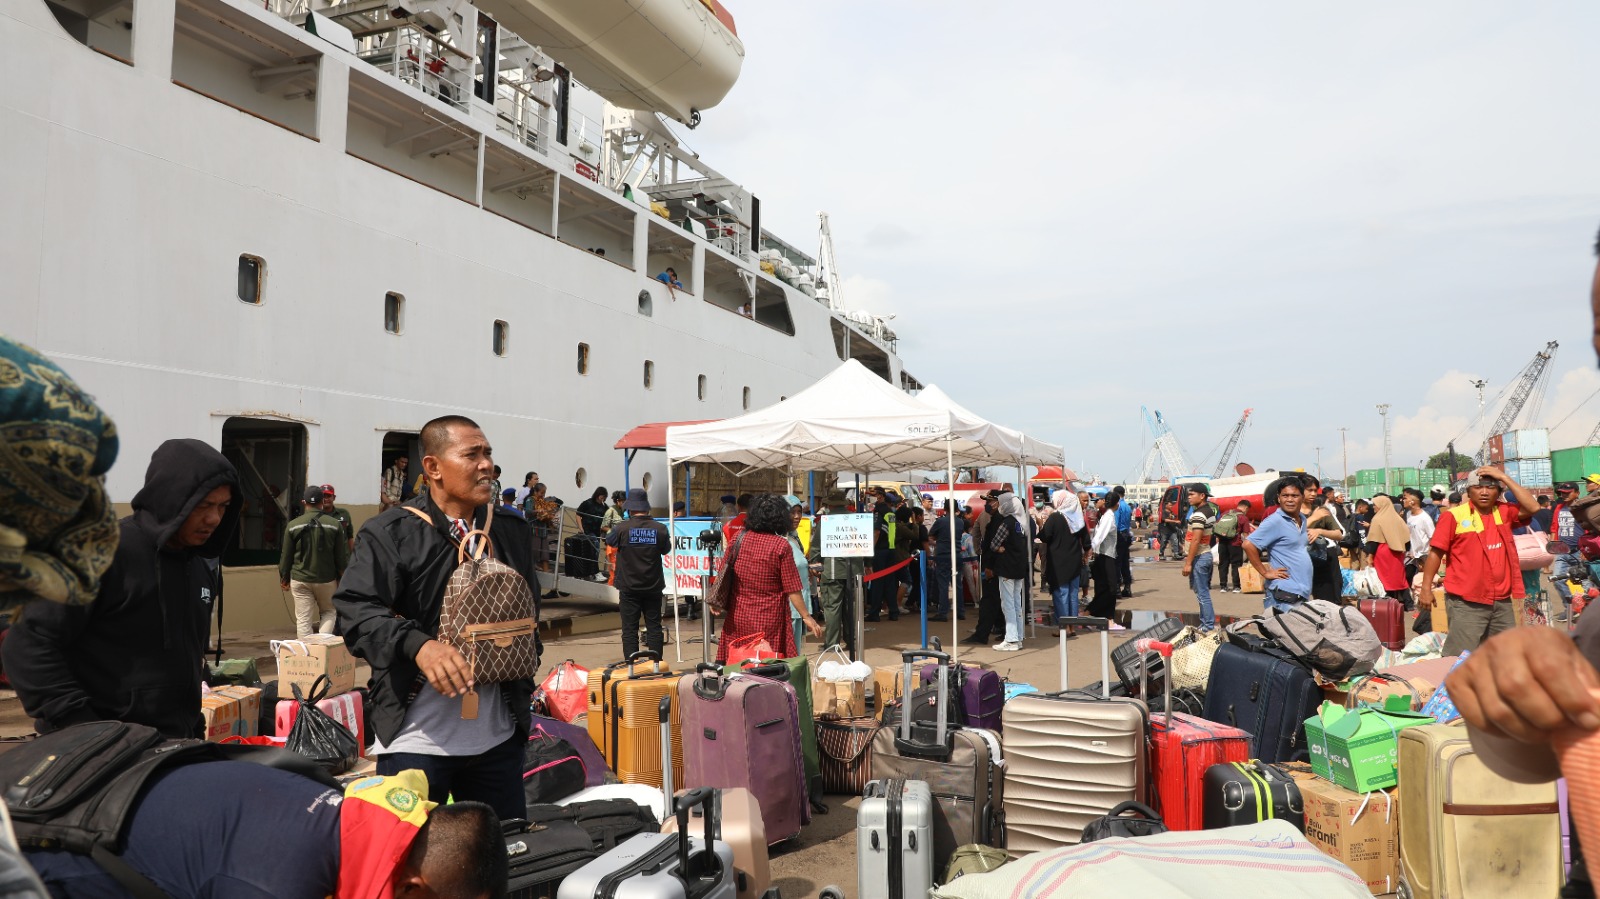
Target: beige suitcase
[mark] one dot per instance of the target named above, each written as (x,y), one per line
(1468,833)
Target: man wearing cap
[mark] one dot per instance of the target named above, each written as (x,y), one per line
(1197,562)
(1591,484)
(341,513)
(837,576)
(1282,536)
(508,502)
(315,552)
(1564,527)
(889,533)
(641,542)
(1483,575)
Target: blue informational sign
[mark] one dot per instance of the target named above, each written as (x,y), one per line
(693,562)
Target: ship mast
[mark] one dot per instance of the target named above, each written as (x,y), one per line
(830,265)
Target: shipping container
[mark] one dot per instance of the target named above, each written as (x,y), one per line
(1439,476)
(1528,443)
(1497,449)
(1574,464)
(1367,477)
(1529,472)
(1403,477)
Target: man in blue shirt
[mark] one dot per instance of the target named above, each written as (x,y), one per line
(943,566)
(1124,542)
(1282,536)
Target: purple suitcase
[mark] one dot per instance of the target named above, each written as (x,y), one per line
(983,695)
(740,730)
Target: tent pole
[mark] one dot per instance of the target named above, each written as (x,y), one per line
(1027,583)
(955,549)
(672,553)
(861,600)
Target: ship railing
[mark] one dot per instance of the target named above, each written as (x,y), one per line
(585,139)
(521,113)
(421,60)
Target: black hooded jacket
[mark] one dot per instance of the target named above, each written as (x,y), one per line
(388,601)
(136,653)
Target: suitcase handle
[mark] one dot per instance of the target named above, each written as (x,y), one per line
(1103,625)
(912,655)
(666,753)
(1088,621)
(699,796)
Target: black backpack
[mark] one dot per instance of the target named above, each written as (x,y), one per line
(1118,823)
(75,789)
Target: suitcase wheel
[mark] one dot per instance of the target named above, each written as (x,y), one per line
(831,892)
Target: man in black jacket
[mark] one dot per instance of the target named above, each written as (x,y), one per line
(388,604)
(136,652)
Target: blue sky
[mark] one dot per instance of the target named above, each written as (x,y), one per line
(1197,207)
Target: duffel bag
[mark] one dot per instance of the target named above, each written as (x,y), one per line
(1143,822)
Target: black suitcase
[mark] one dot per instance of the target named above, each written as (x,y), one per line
(580,557)
(540,855)
(1125,658)
(1267,692)
(1249,792)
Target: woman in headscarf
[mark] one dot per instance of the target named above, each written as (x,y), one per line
(796,516)
(1387,541)
(1006,559)
(1065,539)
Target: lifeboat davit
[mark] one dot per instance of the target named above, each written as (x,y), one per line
(675,57)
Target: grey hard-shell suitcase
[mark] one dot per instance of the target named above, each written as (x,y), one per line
(962,766)
(661,865)
(894,840)
(1072,756)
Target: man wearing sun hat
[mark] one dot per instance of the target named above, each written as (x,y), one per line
(640,542)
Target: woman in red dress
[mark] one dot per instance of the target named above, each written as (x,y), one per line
(766,582)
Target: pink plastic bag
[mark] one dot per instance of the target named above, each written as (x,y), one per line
(566,691)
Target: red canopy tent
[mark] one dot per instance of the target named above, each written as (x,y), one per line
(649,436)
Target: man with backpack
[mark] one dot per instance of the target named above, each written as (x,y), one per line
(263,832)
(423,706)
(1197,562)
(313,558)
(1229,531)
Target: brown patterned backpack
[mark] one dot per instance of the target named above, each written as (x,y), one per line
(487,612)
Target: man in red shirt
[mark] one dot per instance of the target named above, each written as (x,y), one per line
(1483,574)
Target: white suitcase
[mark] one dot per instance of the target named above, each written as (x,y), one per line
(661,865)
(894,840)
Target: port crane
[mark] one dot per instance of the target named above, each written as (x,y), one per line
(1233,444)
(1165,452)
(1522,389)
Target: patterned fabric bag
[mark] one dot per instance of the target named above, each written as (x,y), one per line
(844,751)
(487,612)
(1191,658)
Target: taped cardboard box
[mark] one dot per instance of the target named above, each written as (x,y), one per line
(249,723)
(845,698)
(887,684)
(221,715)
(1358,748)
(1362,830)
(303,661)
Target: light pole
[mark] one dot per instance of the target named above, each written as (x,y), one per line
(1483,448)
(1383,410)
(1344,450)
(1319,463)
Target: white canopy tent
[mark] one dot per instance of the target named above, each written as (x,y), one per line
(853,420)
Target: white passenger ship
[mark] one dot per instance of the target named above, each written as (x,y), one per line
(298,230)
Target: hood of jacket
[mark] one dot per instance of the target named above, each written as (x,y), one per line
(181,473)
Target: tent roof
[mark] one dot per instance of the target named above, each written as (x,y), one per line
(1034,452)
(850,420)
(652,435)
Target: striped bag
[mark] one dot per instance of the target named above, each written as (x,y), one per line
(844,752)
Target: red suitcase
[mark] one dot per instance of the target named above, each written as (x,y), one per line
(1388,618)
(1182,747)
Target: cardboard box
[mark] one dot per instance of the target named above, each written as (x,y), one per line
(1357,748)
(1249,580)
(845,698)
(886,683)
(221,714)
(1362,830)
(303,661)
(249,708)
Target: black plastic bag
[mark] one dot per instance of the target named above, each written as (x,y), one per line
(317,736)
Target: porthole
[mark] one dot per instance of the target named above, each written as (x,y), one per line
(252,278)
(647,480)
(747,398)
(649,374)
(583,358)
(394,311)
(583,475)
(501,337)
(700,388)
(645,302)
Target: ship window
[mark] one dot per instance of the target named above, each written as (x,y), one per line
(252,278)
(501,337)
(645,302)
(700,387)
(647,480)
(583,358)
(747,398)
(583,475)
(649,374)
(394,310)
